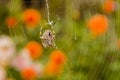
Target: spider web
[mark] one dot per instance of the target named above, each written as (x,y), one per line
(73,34)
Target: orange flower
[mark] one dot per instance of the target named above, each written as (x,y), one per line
(52,69)
(31,17)
(58,57)
(35,49)
(11,22)
(109,6)
(98,24)
(55,64)
(28,74)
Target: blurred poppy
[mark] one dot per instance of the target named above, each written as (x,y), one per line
(11,22)
(31,17)
(98,24)
(35,49)
(28,74)
(56,62)
(52,69)
(109,6)
(58,57)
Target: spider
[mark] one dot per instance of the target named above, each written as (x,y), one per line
(48,36)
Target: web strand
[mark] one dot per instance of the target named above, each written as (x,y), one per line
(48,12)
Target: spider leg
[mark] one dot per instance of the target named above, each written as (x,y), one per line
(41,37)
(55,45)
(44,43)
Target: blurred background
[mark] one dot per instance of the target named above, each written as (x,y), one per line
(87,38)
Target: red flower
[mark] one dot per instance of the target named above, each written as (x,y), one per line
(58,57)
(109,6)
(31,17)
(35,49)
(28,74)
(98,24)
(11,22)
(56,62)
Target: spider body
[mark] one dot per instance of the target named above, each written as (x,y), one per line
(48,38)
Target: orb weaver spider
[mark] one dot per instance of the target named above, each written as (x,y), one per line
(48,36)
